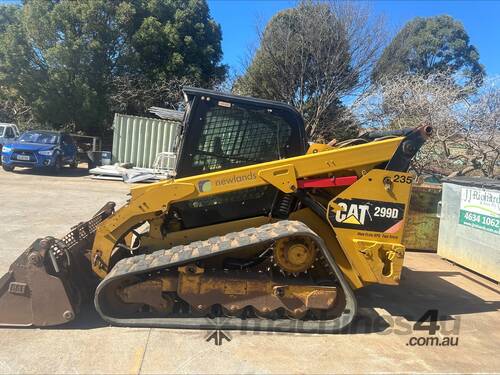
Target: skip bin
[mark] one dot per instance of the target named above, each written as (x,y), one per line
(469,231)
(422,224)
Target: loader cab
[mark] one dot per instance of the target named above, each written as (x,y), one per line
(223,131)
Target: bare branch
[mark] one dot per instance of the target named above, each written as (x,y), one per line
(313,55)
(134,95)
(466,140)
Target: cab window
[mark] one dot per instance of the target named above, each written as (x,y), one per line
(235,137)
(9,133)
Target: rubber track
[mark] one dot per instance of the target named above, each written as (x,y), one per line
(181,255)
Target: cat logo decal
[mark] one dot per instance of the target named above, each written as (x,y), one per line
(353,213)
(375,216)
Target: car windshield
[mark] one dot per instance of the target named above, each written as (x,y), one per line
(2,129)
(40,137)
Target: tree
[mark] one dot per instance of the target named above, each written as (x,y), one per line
(9,14)
(312,56)
(171,39)
(135,94)
(11,108)
(431,45)
(337,123)
(466,137)
(65,60)
(170,44)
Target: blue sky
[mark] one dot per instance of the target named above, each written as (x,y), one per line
(481,19)
(239,18)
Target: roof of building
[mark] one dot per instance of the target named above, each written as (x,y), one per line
(480,182)
(167,114)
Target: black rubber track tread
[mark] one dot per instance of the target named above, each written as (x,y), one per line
(181,255)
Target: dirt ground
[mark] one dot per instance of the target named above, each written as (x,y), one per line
(382,339)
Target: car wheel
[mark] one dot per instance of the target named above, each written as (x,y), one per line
(58,164)
(8,168)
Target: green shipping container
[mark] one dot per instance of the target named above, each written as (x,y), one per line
(138,140)
(422,225)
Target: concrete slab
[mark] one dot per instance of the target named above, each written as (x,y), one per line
(72,351)
(35,205)
(379,341)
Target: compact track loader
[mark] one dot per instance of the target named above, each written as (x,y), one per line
(259,230)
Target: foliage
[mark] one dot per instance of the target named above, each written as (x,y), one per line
(135,94)
(311,56)
(431,45)
(337,123)
(66,60)
(466,136)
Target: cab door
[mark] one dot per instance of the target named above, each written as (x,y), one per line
(223,131)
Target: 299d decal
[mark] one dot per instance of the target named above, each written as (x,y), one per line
(376,216)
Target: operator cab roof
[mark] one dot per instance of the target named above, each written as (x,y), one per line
(190,92)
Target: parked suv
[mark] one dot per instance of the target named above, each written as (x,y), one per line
(8,133)
(40,149)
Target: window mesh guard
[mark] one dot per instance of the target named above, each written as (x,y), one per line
(235,137)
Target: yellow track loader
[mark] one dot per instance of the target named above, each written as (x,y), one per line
(259,230)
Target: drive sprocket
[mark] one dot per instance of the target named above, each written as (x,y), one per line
(295,255)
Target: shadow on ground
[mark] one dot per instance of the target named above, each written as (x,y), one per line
(419,292)
(65,172)
(87,319)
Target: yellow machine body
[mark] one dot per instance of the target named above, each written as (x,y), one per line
(372,256)
(153,200)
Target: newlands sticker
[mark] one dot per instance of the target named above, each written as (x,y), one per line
(204,186)
(236,179)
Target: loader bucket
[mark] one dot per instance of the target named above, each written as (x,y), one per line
(46,285)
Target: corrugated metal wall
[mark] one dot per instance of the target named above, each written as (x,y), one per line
(138,140)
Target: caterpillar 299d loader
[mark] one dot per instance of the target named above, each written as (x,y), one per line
(259,230)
